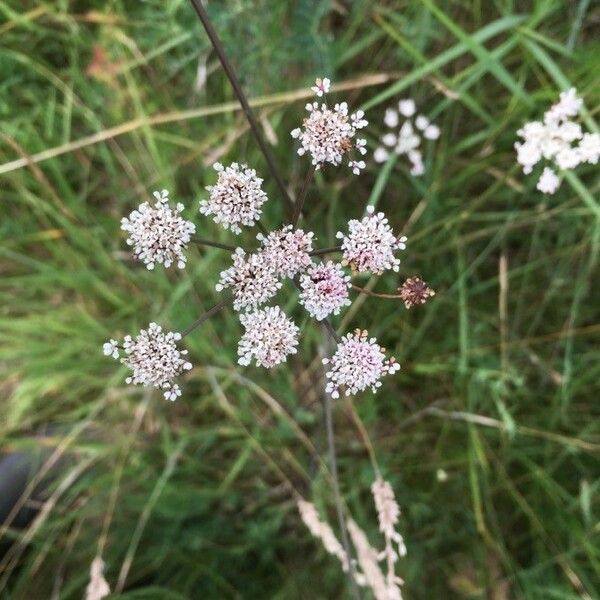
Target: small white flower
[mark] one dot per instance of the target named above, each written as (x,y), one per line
(155,360)
(321,86)
(548,182)
(407,107)
(407,140)
(422,122)
(327,135)
(568,105)
(361,146)
(236,198)
(589,148)
(417,168)
(432,132)
(371,243)
(324,290)
(391,118)
(389,139)
(380,155)
(357,166)
(269,337)
(358,363)
(158,234)
(111,348)
(288,250)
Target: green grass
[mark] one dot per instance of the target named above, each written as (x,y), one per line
(196,496)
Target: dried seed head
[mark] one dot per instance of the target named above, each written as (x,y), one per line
(415,291)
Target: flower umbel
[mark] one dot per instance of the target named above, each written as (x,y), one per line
(287,250)
(407,140)
(558,140)
(358,363)
(329,134)
(252,279)
(155,360)
(270,336)
(158,234)
(371,243)
(237,197)
(324,290)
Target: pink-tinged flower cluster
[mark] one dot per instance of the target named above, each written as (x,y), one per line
(358,363)
(388,513)
(236,198)
(558,140)
(407,139)
(328,135)
(153,358)
(324,290)
(367,570)
(371,243)
(158,233)
(252,279)
(287,249)
(322,531)
(269,338)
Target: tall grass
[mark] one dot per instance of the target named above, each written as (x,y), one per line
(490,432)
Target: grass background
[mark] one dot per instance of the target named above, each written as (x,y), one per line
(105,101)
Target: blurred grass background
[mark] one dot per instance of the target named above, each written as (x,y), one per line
(489,434)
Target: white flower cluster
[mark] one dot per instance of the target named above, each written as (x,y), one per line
(322,531)
(158,234)
(252,279)
(371,243)
(358,363)
(287,249)
(407,140)
(388,513)
(367,572)
(324,290)
(237,197)
(153,358)
(559,140)
(270,337)
(329,134)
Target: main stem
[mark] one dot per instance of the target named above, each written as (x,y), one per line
(254,126)
(336,493)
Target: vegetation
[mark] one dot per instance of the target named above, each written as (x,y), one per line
(489,434)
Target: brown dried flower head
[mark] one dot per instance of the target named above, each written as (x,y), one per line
(415,291)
